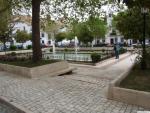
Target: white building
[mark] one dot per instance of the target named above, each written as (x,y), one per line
(23,23)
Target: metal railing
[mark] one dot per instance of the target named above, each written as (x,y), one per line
(66,56)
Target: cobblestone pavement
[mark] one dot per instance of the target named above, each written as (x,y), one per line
(6,109)
(80,92)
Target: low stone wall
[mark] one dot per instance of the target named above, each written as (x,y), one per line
(17,108)
(53,69)
(129,96)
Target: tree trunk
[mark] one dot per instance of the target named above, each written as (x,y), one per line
(143,63)
(37,52)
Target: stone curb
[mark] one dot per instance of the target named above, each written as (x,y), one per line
(113,62)
(96,67)
(54,69)
(129,96)
(14,106)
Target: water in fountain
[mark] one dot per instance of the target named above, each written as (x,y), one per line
(76,45)
(54,49)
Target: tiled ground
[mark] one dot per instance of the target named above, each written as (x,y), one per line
(81,92)
(6,109)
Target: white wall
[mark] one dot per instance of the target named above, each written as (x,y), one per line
(22,27)
(28,28)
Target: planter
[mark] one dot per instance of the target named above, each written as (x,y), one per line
(139,98)
(53,69)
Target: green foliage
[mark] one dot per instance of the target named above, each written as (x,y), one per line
(22,36)
(97,27)
(137,3)
(13,47)
(130,23)
(88,30)
(66,50)
(60,36)
(95,57)
(70,35)
(5,20)
(80,7)
(50,50)
(29,47)
(83,33)
(122,50)
(13,54)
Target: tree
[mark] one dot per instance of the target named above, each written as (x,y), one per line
(6,25)
(137,3)
(130,24)
(88,30)
(79,7)
(22,36)
(60,36)
(97,27)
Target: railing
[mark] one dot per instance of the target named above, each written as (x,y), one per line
(71,57)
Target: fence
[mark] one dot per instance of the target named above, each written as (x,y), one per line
(66,56)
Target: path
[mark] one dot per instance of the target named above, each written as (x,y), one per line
(81,92)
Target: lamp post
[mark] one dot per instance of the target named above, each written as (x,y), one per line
(144,11)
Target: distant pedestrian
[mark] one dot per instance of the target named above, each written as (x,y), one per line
(116,49)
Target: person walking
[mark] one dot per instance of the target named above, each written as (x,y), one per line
(116,49)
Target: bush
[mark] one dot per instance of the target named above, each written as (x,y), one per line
(122,50)
(103,50)
(50,50)
(29,47)
(13,54)
(13,47)
(95,57)
(66,50)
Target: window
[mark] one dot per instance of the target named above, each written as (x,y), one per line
(103,40)
(42,34)
(24,28)
(116,40)
(42,41)
(122,40)
(110,15)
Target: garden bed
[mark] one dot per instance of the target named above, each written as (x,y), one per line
(137,79)
(33,70)
(28,63)
(131,87)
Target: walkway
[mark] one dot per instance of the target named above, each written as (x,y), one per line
(81,92)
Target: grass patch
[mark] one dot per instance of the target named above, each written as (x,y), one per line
(137,79)
(28,63)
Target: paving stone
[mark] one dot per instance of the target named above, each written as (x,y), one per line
(80,92)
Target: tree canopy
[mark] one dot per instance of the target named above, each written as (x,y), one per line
(78,9)
(22,36)
(6,26)
(130,23)
(137,3)
(60,36)
(88,30)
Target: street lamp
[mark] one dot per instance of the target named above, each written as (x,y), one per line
(144,11)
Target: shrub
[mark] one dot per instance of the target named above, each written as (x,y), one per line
(50,50)
(29,47)
(47,58)
(66,50)
(95,57)
(122,50)
(103,50)
(13,54)
(13,47)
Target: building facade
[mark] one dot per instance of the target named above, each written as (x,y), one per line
(23,23)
